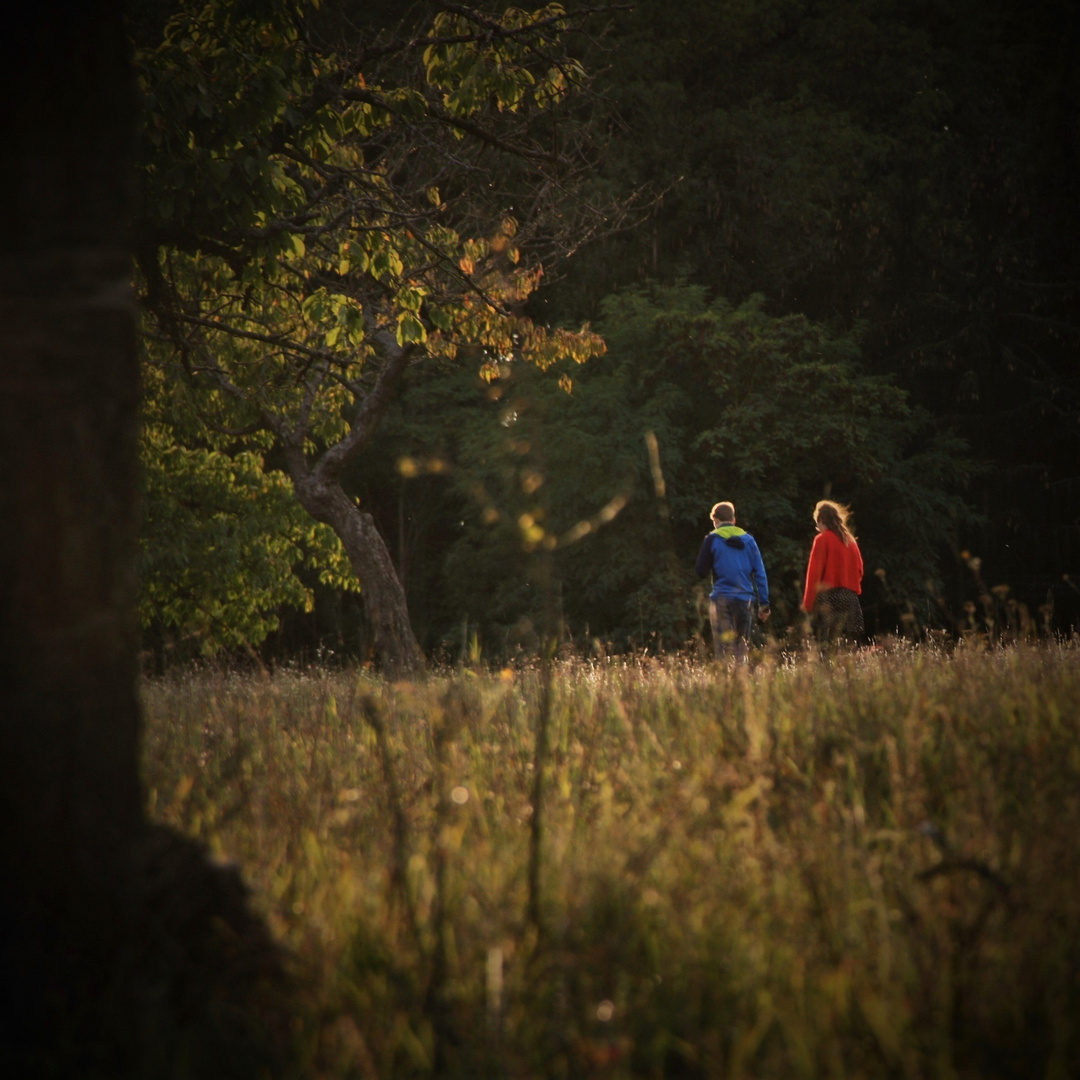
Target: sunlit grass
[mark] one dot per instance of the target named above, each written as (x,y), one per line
(858,866)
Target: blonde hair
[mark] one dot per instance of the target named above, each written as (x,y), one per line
(723,511)
(834,517)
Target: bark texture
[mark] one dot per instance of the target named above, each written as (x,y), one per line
(383,594)
(123,952)
(319,490)
(69,790)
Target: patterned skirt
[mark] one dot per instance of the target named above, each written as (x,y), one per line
(837,614)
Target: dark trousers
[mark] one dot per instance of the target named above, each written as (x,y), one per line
(837,616)
(730,619)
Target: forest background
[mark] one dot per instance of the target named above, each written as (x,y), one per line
(860,864)
(830,250)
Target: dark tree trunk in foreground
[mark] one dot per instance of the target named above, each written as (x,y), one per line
(111,961)
(68,767)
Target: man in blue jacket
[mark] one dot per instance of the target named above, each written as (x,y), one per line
(739,578)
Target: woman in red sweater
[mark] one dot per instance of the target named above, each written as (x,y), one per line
(834,575)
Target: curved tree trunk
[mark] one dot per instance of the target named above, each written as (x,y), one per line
(382,592)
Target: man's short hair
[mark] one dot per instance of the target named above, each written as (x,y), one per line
(723,511)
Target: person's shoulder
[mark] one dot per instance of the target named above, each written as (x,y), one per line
(750,541)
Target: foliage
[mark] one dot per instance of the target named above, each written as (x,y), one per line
(858,865)
(287,209)
(778,411)
(495,480)
(890,180)
(319,214)
(770,411)
(905,168)
(222,541)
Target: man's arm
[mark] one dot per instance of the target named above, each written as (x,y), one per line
(704,557)
(761,583)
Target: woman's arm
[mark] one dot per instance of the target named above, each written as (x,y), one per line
(815,570)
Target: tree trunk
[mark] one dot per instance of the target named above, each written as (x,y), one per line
(68,395)
(383,595)
(111,932)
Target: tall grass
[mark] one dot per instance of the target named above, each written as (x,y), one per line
(857,866)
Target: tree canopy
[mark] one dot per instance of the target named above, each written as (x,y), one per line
(320,214)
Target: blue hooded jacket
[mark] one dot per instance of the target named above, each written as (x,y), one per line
(733,557)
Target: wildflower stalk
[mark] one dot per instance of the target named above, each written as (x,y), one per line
(397,814)
(543,723)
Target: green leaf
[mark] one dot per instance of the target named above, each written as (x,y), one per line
(410,329)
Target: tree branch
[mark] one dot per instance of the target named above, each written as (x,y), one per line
(366,420)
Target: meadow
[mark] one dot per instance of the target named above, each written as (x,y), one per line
(857,865)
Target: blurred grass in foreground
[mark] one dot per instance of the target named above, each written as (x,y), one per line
(855,867)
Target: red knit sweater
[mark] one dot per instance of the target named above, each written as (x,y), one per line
(832,564)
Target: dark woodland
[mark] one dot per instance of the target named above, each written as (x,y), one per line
(333,332)
(886,190)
